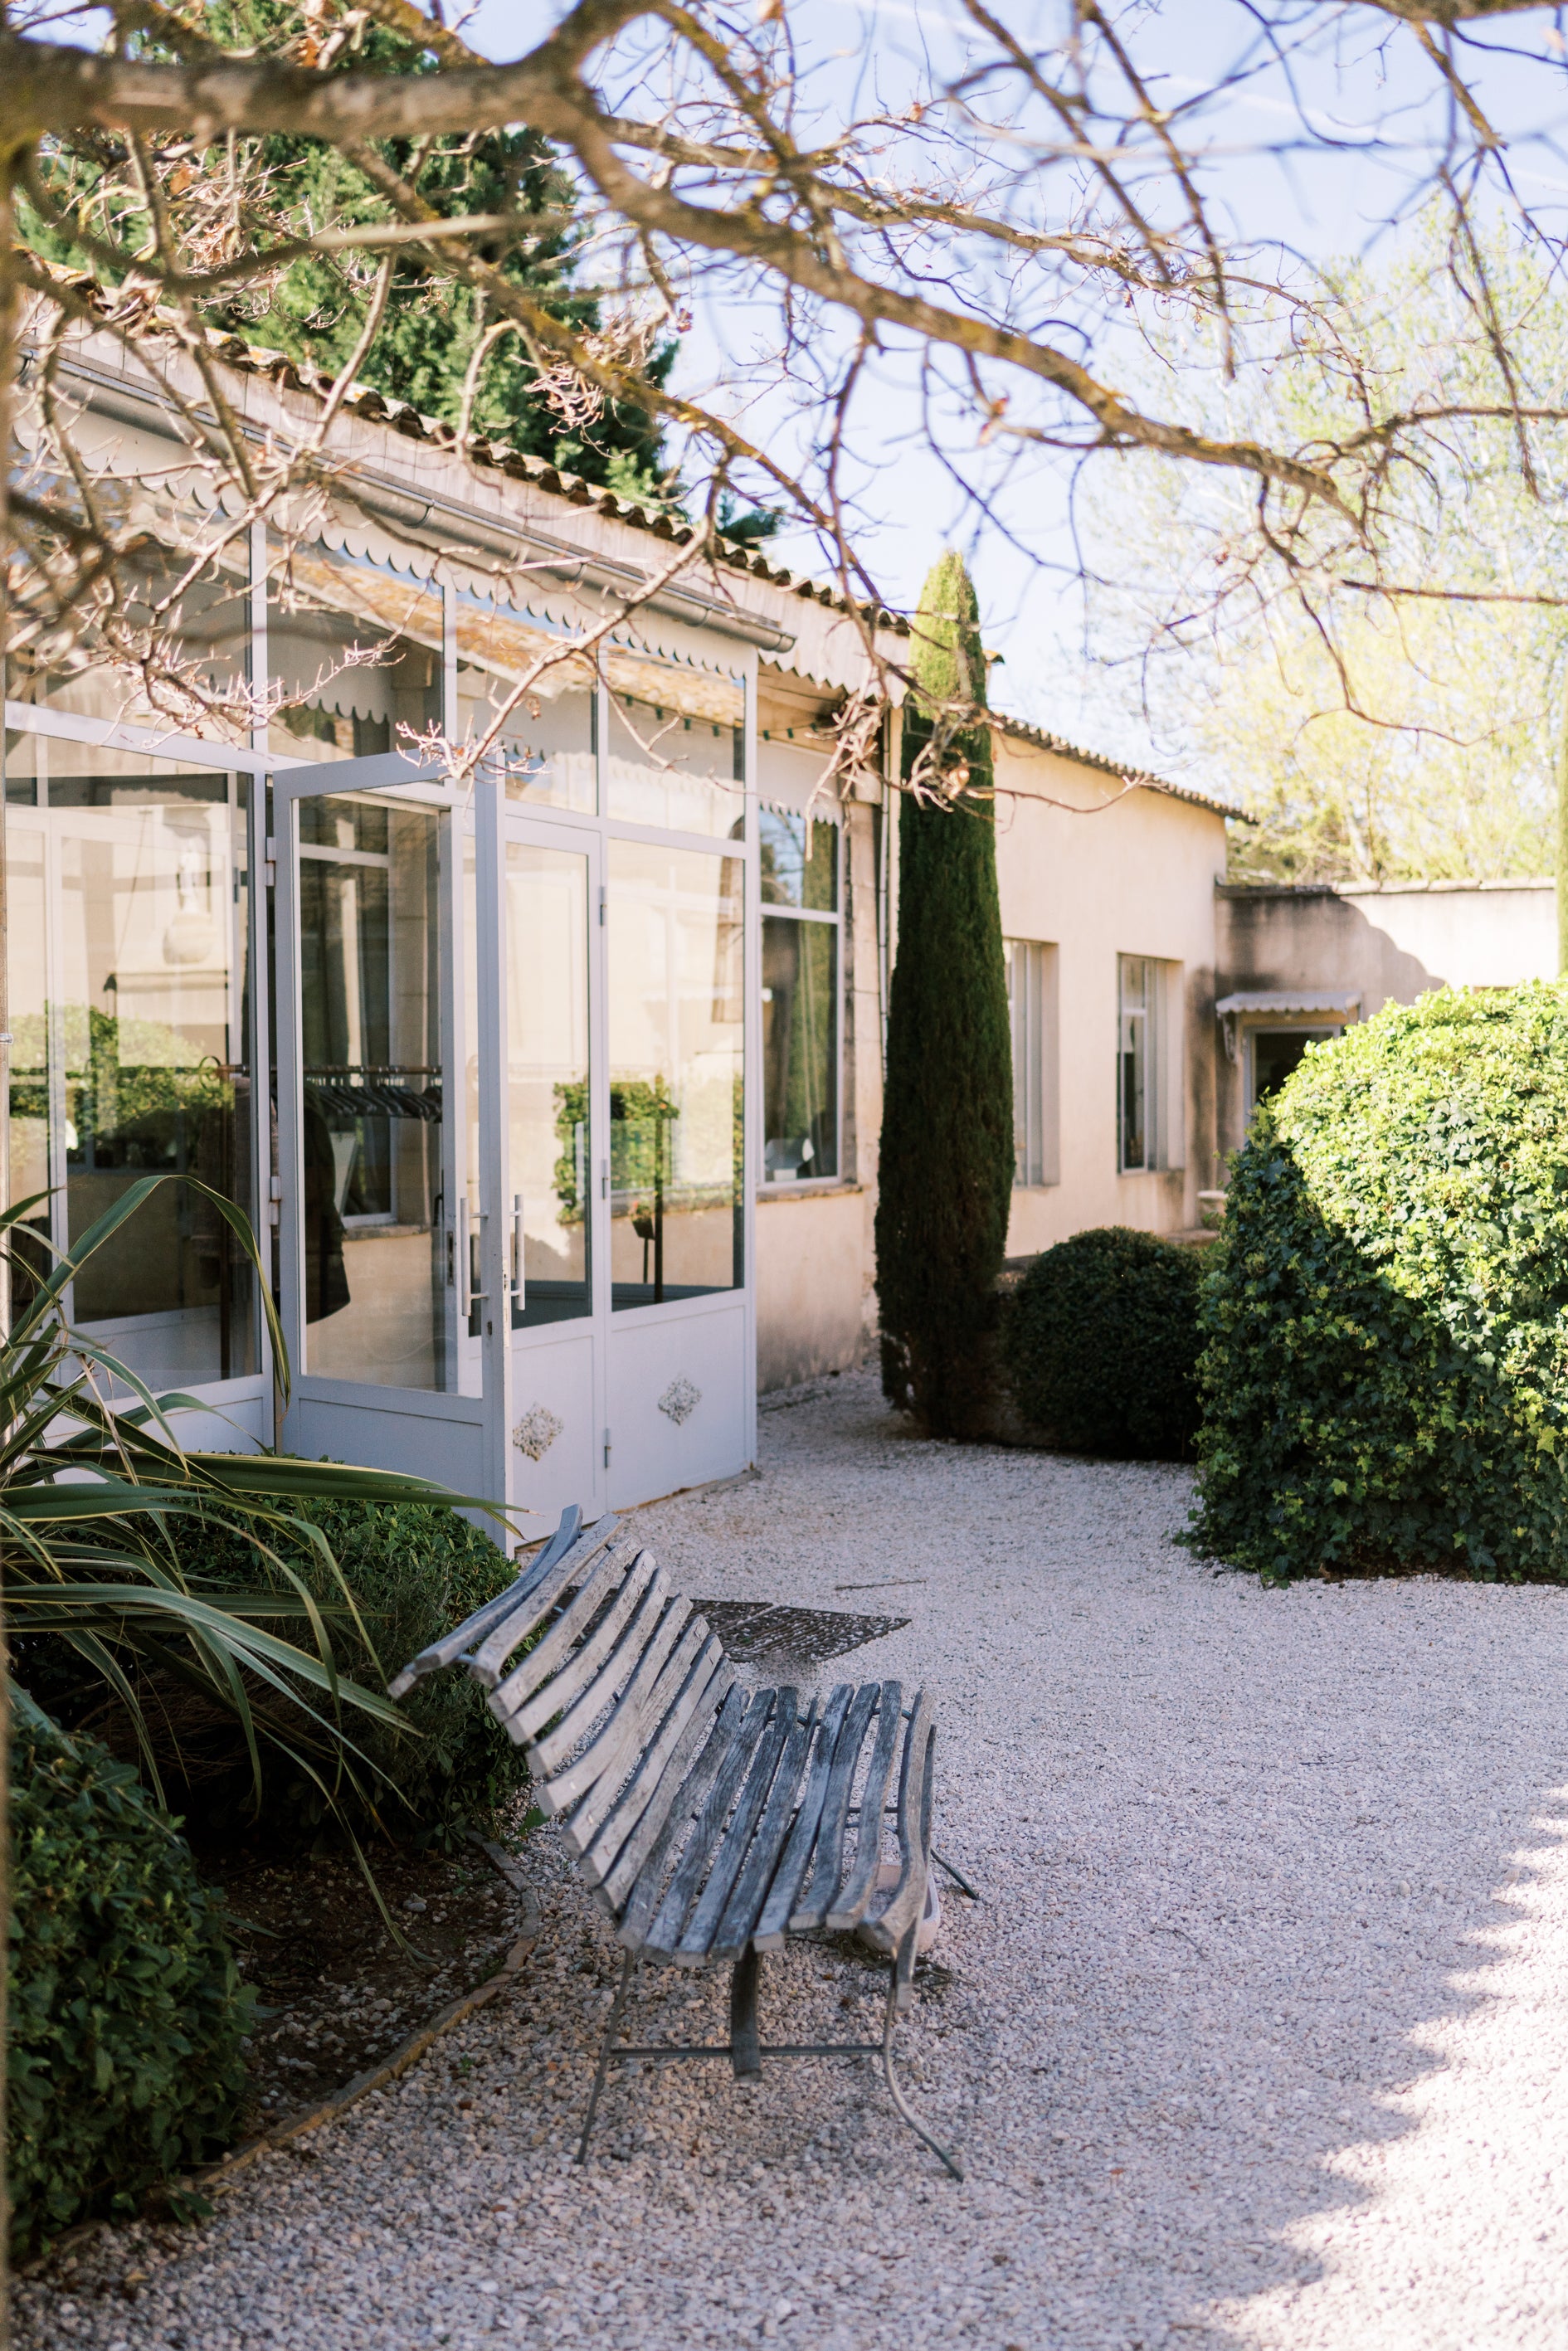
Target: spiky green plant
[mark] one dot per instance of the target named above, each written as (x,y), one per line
(94,1483)
(946,1160)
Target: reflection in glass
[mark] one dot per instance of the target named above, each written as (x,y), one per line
(372,1113)
(1134,1093)
(357,652)
(676,750)
(128,930)
(676,1063)
(547,1043)
(548,737)
(211,619)
(799,1048)
(799,856)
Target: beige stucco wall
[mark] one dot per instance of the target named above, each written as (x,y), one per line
(1136,878)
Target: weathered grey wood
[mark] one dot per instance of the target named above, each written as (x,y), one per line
(773,1926)
(743,1910)
(581,1690)
(552,1649)
(859,1882)
(451,1646)
(827,1861)
(598,1770)
(669,1914)
(488,1661)
(890,1918)
(626,1839)
(692,1947)
(644,1892)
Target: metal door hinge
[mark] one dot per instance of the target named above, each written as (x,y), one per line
(275,1201)
(604,1179)
(603,893)
(607,1448)
(269,864)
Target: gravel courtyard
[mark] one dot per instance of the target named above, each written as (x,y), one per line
(1259,2037)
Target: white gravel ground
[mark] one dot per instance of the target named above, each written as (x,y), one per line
(1259,2037)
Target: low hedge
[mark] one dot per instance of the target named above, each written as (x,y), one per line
(1100,1344)
(415,1570)
(1386,1374)
(126,2012)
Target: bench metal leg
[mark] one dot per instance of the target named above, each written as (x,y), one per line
(744,2050)
(617,2009)
(899,1980)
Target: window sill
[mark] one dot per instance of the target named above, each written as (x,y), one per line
(821,1188)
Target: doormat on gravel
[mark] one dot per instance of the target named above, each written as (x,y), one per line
(758,1633)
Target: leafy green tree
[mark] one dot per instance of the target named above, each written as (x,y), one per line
(946,1162)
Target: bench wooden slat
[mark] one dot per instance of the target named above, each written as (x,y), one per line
(489,1659)
(859,1885)
(451,1646)
(703,1925)
(626,1839)
(890,1918)
(710,1746)
(827,1862)
(598,1770)
(552,1648)
(720,1774)
(582,1689)
(742,1911)
(773,1927)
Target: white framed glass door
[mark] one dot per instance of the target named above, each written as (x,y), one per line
(558,1273)
(391,1265)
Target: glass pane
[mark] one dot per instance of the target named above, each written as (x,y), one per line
(210,618)
(370,974)
(676,1061)
(547,1075)
(548,737)
(799,1048)
(1134,1064)
(128,978)
(356,652)
(677,749)
(1025,962)
(799,861)
(28,1135)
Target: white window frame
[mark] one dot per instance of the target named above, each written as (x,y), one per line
(1033,1020)
(786,1187)
(1164,1065)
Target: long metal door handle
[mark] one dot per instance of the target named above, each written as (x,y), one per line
(518,1281)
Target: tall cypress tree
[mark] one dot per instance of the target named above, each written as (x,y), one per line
(946,1160)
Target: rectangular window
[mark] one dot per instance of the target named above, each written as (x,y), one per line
(800,956)
(1137,1065)
(1031,1005)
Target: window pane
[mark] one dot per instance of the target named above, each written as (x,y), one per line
(210,621)
(128,978)
(547,736)
(799,1048)
(357,653)
(799,861)
(375,1292)
(676,1060)
(1135,1091)
(547,1045)
(677,749)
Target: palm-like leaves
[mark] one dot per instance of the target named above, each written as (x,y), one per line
(93,1481)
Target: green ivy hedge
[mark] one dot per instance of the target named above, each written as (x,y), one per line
(126,2012)
(1386,1376)
(1100,1344)
(415,1570)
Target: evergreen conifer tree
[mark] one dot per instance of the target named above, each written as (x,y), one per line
(946,1160)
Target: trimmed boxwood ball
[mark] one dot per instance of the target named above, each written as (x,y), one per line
(1102,1344)
(1385,1377)
(127,2014)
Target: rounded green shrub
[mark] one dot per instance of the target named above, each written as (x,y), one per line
(1101,1343)
(126,2012)
(1386,1378)
(415,1570)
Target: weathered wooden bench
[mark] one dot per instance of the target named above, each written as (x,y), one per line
(712,1821)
